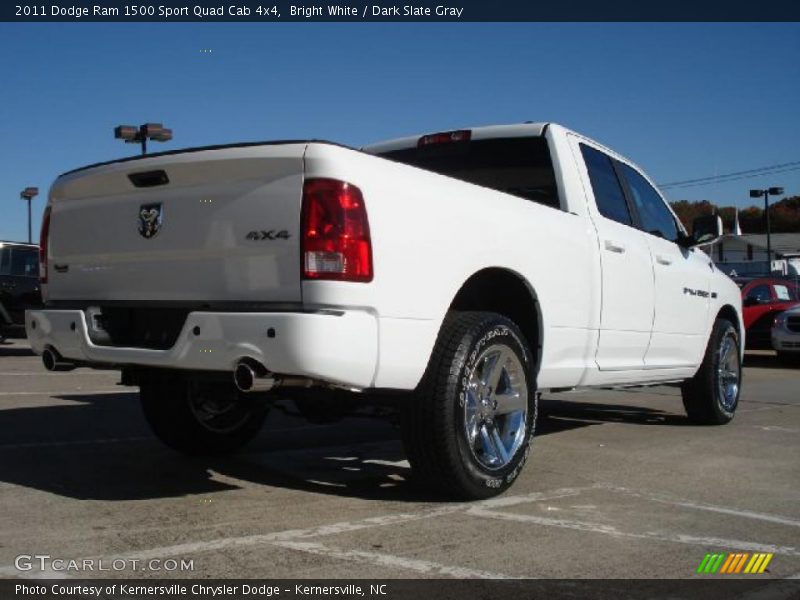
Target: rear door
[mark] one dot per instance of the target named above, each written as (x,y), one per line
(628,293)
(201,226)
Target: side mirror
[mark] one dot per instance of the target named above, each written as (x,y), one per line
(705,230)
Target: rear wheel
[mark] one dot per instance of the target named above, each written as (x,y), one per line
(712,395)
(200,418)
(467,429)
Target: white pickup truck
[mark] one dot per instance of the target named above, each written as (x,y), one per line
(459,274)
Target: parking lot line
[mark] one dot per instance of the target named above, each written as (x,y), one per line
(389,560)
(678,538)
(748,514)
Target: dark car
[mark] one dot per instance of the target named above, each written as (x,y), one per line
(19,285)
(763,299)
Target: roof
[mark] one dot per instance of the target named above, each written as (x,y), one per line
(782,243)
(476,133)
(10,243)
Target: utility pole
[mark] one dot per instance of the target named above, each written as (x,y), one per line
(29,193)
(766,193)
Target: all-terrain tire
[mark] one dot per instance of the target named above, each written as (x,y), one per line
(438,420)
(712,395)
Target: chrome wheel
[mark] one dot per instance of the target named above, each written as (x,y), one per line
(728,371)
(496,407)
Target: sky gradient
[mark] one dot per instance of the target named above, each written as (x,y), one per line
(681,100)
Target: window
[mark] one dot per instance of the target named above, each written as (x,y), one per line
(517,166)
(5,260)
(760,294)
(606,187)
(22,262)
(25,262)
(655,217)
(785,293)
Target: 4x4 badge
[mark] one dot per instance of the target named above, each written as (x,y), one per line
(150,219)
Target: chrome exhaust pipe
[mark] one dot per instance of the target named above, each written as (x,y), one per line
(252,376)
(53,361)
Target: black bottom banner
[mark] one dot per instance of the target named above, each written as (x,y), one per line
(401,589)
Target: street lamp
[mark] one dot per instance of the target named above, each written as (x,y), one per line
(773,191)
(139,135)
(29,193)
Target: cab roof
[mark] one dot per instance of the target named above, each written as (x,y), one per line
(476,133)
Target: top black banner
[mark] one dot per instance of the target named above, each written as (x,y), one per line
(414,11)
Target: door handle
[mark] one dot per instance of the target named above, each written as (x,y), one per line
(663,260)
(612,246)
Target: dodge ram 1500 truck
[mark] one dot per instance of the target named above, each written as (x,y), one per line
(458,273)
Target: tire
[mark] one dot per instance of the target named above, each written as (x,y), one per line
(200,418)
(448,424)
(712,395)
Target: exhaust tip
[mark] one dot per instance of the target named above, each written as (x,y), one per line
(251,376)
(244,377)
(53,361)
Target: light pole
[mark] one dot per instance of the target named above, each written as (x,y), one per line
(29,193)
(139,135)
(773,191)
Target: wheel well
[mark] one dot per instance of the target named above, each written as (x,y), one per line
(504,292)
(729,313)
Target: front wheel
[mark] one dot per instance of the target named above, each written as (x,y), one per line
(468,427)
(712,395)
(200,418)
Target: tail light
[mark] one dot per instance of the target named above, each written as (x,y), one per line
(336,242)
(44,239)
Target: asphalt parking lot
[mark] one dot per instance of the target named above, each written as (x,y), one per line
(619,485)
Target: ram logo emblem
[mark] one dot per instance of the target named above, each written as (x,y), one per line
(150,218)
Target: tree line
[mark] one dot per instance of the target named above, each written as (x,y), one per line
(784,215)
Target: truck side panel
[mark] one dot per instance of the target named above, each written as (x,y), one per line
(430,233)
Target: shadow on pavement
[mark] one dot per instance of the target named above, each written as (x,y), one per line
(99,447)
(14,350)
(767,361)
(587,413)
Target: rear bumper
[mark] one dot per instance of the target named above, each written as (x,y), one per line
(339,347)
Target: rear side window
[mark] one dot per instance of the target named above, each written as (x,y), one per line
(25,262)
(607,190)
(655,217)
(22,262)
(517,166)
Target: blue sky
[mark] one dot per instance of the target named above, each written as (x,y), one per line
(682,100)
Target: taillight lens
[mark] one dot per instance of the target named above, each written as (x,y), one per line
(336,241)
(44,238)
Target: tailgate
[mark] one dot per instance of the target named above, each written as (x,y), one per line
(198,226)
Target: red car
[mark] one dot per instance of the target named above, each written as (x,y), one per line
(763,299)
